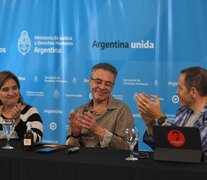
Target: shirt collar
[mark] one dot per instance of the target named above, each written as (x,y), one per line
(111,104)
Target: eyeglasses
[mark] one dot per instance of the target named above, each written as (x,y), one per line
(100,81)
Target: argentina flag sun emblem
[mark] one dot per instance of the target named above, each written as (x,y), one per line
(24,43)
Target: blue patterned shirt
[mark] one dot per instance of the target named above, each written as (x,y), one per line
(182,116)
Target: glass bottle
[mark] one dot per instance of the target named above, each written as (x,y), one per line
(28,142)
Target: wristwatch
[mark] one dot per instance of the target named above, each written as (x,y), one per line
(161,120)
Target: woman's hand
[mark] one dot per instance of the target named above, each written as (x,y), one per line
(16,112)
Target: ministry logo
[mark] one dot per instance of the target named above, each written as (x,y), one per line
(56,93)
(24,43)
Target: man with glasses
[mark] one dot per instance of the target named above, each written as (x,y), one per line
(101,122)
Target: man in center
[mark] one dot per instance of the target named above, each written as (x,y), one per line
(100,122)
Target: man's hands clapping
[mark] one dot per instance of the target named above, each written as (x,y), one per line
(87,121)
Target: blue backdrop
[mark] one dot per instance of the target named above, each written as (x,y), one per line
(51,46)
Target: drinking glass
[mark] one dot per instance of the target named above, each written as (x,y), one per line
(131,136)
(8,128)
